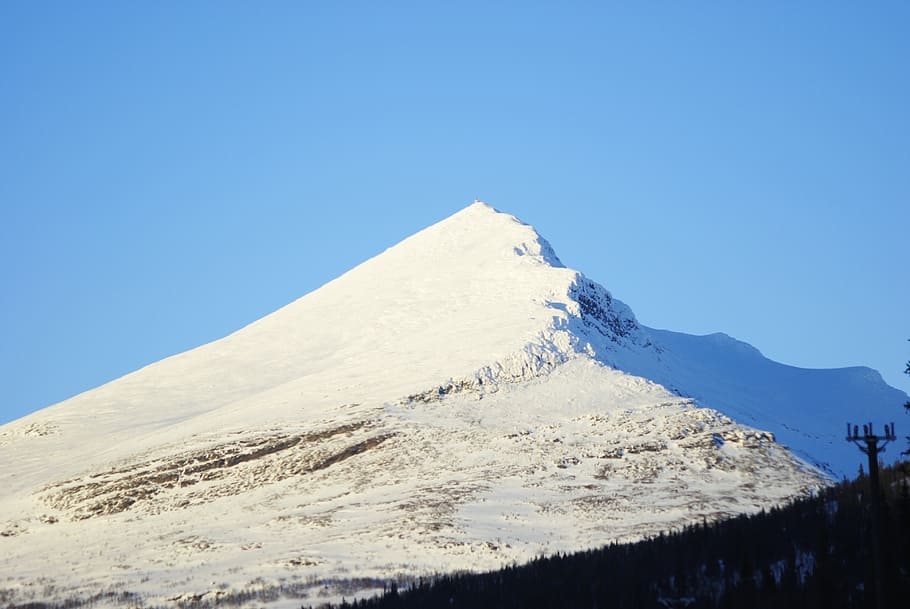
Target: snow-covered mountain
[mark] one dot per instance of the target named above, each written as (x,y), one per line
(460,401)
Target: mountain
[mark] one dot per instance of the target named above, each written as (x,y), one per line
(460,401)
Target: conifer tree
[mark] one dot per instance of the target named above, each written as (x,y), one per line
(907,408)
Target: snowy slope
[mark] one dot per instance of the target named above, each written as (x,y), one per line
(449,404)
(806,409)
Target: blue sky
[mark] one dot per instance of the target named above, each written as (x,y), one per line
(170,172)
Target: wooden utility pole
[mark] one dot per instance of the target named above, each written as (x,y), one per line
(873,445)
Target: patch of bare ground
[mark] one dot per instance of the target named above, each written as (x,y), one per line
(219,470)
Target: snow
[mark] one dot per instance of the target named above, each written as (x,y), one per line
(805,409)
(460,401)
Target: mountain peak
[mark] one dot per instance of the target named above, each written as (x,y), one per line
(479,227)
(478,293)
(482,205)
(483,211)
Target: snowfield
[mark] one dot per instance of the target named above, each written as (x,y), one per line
(461,401)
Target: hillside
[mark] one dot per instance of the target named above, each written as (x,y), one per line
(812,553)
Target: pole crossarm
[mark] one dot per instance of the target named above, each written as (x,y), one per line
(868,441)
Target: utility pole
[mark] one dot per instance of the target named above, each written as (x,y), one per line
(873,445)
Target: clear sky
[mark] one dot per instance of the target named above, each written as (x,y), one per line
(171,171)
